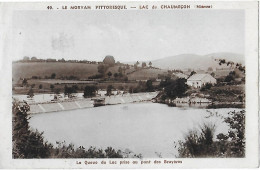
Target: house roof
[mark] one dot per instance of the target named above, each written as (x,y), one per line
(198,76)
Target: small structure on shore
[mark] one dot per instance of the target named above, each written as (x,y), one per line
(198,80)
(191,100)
(99,102)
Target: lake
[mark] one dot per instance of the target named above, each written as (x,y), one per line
(147,128)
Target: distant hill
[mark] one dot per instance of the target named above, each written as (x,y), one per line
(193,61)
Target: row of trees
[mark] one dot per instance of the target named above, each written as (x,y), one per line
(35,59)
(143,65)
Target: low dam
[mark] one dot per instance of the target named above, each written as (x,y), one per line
(88,102)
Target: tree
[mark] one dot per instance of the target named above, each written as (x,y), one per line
(135,66)
(192,73)
(124,69)
(231,64)
(207,86)
(53,75)
(212,74)
(210,69)
(115,75)
(69,90)
(120,75)
(230,77)
(24,82)
(109,74)
(90,91)
(120,69)
(149,86)
(109,60)
(52,87)
(174,88)
(34,59)
(109,90)
(131,89)
(137,63)
(30,93)
(57,91)
(125,78)
(150,64)
(102,69)
(143,64)
(26,58)
(26,143)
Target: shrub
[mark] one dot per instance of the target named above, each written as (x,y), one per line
(231,144)
(26,143)
(198,145)
(97,76)
(207,86)
(90,91)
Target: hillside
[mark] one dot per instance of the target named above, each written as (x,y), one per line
(79,70)
(193,61)
(42,69)
(144,74)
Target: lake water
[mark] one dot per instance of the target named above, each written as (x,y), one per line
(147,128)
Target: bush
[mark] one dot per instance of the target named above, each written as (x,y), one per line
(26,143)
(231,144)
(69,90)
(97,76)
(207,86)
(90,91)
(109,90)
(174,88)
(198,145)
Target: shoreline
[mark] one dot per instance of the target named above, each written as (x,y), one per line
(55,106)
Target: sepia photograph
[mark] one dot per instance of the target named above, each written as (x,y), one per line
(129,82)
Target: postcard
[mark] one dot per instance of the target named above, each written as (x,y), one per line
(129,84)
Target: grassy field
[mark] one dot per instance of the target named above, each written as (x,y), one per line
(46,86)
(27,70)
(79,70)
(144,74)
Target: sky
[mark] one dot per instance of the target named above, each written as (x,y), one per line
(134,35)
